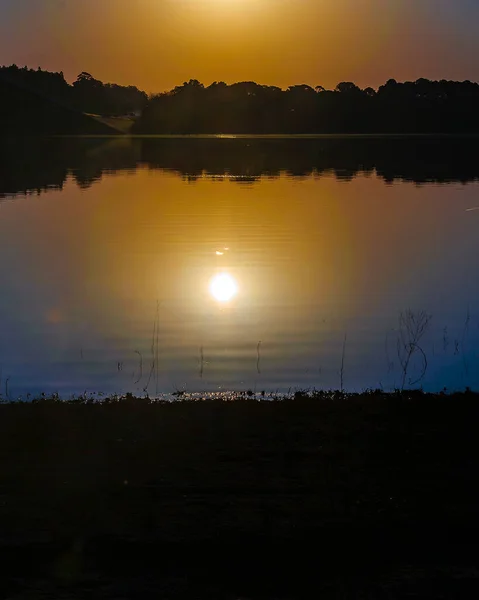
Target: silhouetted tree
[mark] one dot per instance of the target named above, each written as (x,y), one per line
(87,94)
(422,106)
(347,87)
(91,95)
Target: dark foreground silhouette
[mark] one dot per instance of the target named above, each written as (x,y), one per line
(37,165)
(370,496)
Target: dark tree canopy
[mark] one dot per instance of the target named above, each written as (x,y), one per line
(421,106)
(87,94)
(246,107)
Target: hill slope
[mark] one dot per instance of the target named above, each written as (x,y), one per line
(23,112)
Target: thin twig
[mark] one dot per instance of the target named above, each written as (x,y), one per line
(157,342)
(445,339)
(463,340)
(424,369)
(412,327)
(341,373)
(141,366)
(153,361)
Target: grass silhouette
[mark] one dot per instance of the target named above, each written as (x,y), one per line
(238,496)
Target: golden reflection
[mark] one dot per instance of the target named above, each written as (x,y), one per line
(223,287)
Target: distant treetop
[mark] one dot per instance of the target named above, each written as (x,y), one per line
(421,106)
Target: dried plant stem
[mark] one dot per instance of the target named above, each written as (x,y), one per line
(341,372)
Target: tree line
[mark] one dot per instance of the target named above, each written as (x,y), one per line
(422,106)
(86,94)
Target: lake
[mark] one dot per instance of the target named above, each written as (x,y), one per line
(216,264)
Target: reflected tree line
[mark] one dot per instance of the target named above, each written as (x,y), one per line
(39,165)
(422,106)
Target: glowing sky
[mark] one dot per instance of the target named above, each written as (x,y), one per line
(157,44)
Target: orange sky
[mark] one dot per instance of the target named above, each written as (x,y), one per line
(157,44)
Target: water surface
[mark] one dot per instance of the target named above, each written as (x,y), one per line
(108,249)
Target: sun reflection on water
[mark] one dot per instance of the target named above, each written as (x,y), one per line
(223,287)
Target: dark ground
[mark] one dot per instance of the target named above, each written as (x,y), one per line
(370,496)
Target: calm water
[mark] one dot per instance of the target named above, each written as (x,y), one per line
(108,249)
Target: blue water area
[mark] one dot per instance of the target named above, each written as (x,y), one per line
(264,264)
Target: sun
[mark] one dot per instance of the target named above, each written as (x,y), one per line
(223,287)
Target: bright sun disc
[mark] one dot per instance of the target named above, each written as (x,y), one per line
(223,287)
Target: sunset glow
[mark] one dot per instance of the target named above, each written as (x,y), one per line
(223,287)
(161,43)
